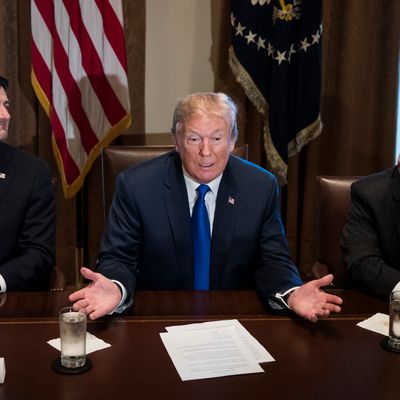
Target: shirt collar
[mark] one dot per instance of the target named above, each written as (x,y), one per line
(192,185)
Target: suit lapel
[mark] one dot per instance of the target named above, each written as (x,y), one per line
(6,169)
(176,201)
(395,186)
(224,221)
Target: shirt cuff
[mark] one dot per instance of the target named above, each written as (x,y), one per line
(3,286)
(124,303)
(397,287)
(283,296)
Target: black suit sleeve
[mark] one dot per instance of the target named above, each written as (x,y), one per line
(35,255)
(361,246)
(276,272)
(121,242)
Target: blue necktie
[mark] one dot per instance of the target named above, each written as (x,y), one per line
(201,240)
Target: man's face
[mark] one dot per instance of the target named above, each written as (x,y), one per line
(4,114)
(204,146)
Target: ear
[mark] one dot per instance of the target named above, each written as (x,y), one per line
(231,145)
(176,144)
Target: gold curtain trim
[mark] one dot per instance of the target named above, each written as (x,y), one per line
(250,88)
(304,136)
(278,166)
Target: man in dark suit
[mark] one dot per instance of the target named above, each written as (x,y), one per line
(27,214)
(148,242)
(371,236)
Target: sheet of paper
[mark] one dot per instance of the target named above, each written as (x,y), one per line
(254,346)
(209,353)
(378,323)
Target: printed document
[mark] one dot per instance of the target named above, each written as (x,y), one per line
(259,352)
(213,349)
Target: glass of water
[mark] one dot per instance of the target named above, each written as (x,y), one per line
(394,320)
(72,338)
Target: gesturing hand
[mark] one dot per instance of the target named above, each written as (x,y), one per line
(99,298)
(310,302)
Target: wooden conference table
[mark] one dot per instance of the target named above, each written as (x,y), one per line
(332,359)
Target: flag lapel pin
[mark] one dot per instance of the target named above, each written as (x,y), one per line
(231,201)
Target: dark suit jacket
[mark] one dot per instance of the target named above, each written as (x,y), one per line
(147,243)
(27,220)
(371,236)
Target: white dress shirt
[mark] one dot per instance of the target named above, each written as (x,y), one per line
(397,287)
(3,286)
(210,198)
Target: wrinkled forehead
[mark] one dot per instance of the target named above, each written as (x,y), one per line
(205,124)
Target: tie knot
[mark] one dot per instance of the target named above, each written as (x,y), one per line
(202,190)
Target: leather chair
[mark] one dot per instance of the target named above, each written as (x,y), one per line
(115,159)
(333,200)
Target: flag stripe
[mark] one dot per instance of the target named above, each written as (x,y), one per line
(92,108)
(80,77)
(72,93)
(92,63)
(71,170)
(115,73)
(45,9)
(117,7)
(41,69)
(70,129)
(113,30)
(41,49)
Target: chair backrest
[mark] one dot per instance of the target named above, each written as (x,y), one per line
(115,159)
(333,201)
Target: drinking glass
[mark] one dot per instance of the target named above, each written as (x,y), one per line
(394,320)
(72,338)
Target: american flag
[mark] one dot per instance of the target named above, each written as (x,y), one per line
(276,57)
(79,74)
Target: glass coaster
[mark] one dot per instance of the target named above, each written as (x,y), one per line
(56,365)
(386,346)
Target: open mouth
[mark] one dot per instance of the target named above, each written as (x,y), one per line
(206,166)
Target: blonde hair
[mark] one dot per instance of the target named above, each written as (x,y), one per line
(209,104)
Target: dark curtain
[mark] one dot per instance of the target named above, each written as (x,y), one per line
(361,46)
(30,129)
(359,99)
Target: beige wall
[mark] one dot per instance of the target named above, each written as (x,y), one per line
(178,44)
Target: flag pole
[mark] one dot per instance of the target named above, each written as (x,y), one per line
(80,236)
